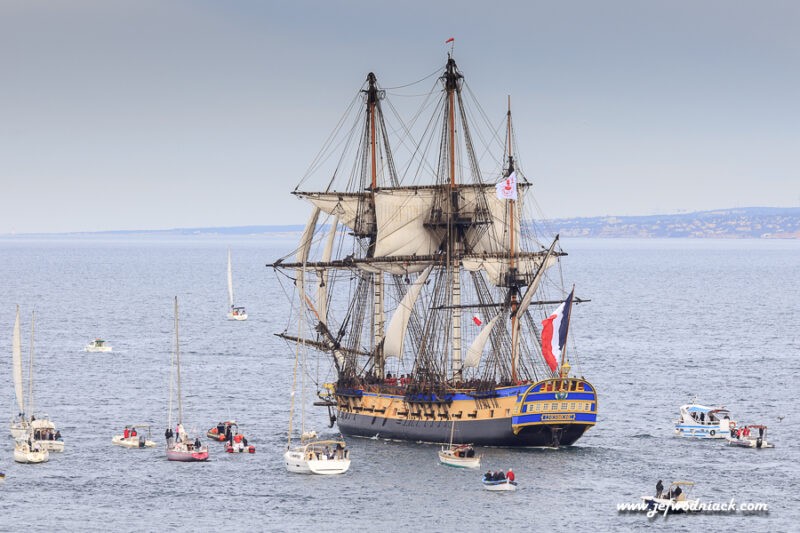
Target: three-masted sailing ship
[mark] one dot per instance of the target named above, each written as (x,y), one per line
(425,295)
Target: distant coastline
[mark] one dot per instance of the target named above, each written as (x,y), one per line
(737,223)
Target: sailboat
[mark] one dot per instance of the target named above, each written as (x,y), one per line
(311,455)
(39,432)
(20,424)
(395,271)
(459,455)
(181,447)
(235,313)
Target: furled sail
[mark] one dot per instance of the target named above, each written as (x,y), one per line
(322,274)
(302,252)
(475,351)
(396,332)
(16,357)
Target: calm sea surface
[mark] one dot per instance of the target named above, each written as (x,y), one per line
(669,319)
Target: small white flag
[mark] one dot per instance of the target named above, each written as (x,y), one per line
(507,189)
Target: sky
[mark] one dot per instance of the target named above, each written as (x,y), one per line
(124,115)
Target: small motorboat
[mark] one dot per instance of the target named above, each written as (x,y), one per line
(45,434)
(220,431)
(752,436)
(27,451)
(323,457)
(702,422)
(98,345)
(240,446)
(502,485)
(460,456)
(675,500)
(134,436)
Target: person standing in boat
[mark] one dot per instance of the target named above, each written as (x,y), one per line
(659,489)
(168,435)
(510,476)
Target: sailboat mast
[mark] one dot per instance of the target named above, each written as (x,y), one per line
(16,356)
(30,368)
(230,280)
(178,364)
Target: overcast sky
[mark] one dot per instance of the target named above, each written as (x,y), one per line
(164,114)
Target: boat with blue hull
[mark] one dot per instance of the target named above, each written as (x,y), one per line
(430,295)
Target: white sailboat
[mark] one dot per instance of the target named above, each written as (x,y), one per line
(311,456)
(181,447)
(28,452)
(39,430)
(20,424)
(236,312)
(459,455)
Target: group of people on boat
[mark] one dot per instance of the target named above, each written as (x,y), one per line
(744,432)
(499,475)
(46,434)
(672,494)
(129,432)
(338,452)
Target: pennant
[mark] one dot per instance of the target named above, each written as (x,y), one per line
(477,320)
(554,332)
(450,40)
(507,189)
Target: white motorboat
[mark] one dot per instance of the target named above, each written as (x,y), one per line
(236,312)
(318,457)
(181,447)
(45,434)
(752,436)
(29,452)
(702,422)
(675,500)
(134,436)
(98,345)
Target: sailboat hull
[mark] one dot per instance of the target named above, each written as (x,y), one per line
(514,416)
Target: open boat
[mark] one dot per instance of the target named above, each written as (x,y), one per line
(504,485)
(750,436)
(236,312)
(98,345)
(395,271)
(220,431)
(702,422)
(180,446)
(28,452)
(675,500)
(134,436)
(459,455)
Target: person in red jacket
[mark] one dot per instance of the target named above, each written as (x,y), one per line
(510,476)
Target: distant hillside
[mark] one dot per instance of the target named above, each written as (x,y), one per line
(747,222)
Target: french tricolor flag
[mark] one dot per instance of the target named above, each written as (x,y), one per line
(554,332)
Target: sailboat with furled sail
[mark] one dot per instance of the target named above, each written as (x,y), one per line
(20,424)
(389,274)
(235,312)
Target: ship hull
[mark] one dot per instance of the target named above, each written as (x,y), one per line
(513,417)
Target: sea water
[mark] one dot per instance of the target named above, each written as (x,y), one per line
(668,320)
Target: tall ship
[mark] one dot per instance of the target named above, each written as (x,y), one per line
(440,312)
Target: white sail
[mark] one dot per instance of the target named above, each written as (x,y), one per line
(396,332)
(16,356)
(401,215)
(475,351)
(549,261)
(322,274)
(302,253)
(230,280)
(352,209)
